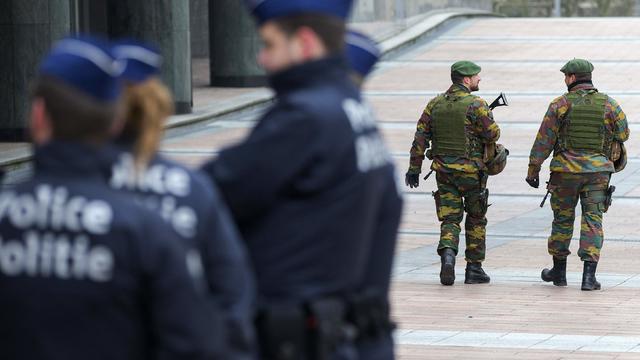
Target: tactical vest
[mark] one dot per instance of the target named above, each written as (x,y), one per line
(450,136)
(583,129)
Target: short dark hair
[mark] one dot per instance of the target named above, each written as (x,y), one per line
(456,77)
(583,76)
(74,115)
(331,30)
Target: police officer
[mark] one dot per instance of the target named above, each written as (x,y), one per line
(581,127)
(84,272)
(186,199)
(362,54)
(458,125)
(311,186)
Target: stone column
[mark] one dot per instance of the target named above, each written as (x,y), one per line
(164,23)
(199,24)
(27,30)
(234,46)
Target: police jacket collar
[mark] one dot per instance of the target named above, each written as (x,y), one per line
(300,76)
(71,158)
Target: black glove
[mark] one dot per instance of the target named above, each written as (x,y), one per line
(412,180)
(533,176)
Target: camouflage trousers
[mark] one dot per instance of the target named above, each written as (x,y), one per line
(566,189)
(460,192)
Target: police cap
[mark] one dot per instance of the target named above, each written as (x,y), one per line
(465,68)
(362,52)
(577,66)
(140,61)
(86,64)
(265,10)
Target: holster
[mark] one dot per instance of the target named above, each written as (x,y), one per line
(327,325)
(596,199)
(310,331)
(436,197)
(477,204)
(609,198)
(370,316)
(282,333)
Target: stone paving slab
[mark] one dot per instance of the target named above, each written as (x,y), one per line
(529,307)
(525,50)
(415,352)
(549,28)
(535,341)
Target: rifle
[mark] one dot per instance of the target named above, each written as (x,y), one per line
(501,100)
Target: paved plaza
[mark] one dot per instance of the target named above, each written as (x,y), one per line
(517,316)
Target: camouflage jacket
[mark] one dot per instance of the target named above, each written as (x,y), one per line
(479,121)
(575,161)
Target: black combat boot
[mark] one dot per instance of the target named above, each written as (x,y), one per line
(557,274)
(448,268)
(475,275)
(589,281)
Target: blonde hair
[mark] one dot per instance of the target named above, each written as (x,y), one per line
(146,107)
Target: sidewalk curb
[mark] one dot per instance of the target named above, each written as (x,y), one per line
(206,113)
(393,44)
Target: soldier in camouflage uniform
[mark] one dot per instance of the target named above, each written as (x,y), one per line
(579,127)
(458,125)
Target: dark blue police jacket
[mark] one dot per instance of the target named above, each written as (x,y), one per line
(87,274)
(191,204)
(309,187)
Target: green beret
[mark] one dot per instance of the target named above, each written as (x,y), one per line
(577,66)
(465,68)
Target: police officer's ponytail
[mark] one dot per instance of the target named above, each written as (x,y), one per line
(147,105)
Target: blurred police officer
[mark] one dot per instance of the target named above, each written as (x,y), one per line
(312,185)
(84,272)
(362,54)
(186,199)
(581,127)
(458,125)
